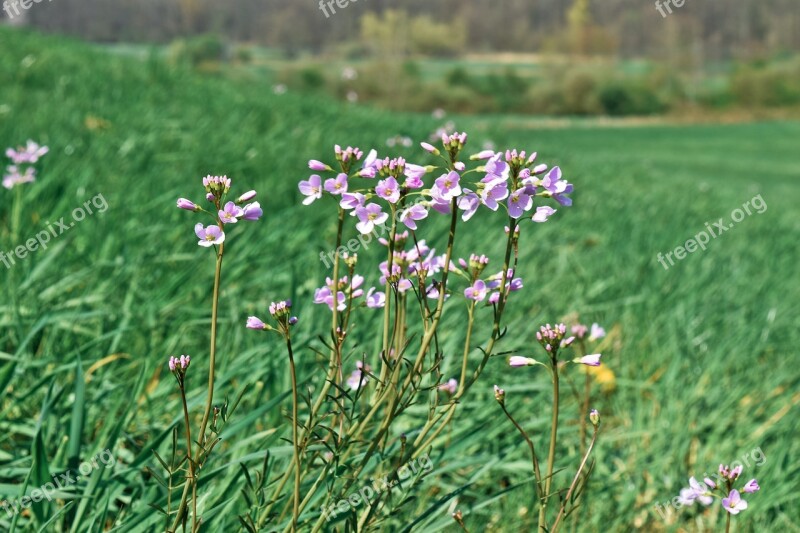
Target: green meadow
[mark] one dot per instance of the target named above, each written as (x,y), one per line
(704,354)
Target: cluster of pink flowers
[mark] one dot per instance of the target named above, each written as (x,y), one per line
(554,338)
(224,213)
(511,179)
(731,498)
(21,169)
(345,290)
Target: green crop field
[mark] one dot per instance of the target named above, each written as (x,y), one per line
(705,353)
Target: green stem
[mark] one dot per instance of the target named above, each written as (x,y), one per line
(189,452)
(551,456)
(574,484)
(728,523)
(537,474)
(190,482)
(295,441)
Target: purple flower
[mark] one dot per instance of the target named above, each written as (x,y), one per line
(15,177)
(412,214)
(579,330)
(495,190)
(438,203)
(518,203)
(351,200)
(751,486)
(450,387)
(252,211)
(496,167)
(448,185)
(312,189)
(183,203)
(709,482)
(337,185)
(597,332)
(389,190)
(517,361)
(557,188)
(317,165)
(375,299)
(414,174)
(734,502)
(370,216)
(209,235)
(468,203)
(231,213)
(477,291)
(324,295)
(359,377)
(543,212)
(27,154)
(701,492)
(254,322)
(687,496)
(589,360)
(369,168)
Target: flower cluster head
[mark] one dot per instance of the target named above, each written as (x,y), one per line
(499,394)
(224,213)
(281,312)
(344,290)
(721,487)
(21,169)
(552,338)
(178,366)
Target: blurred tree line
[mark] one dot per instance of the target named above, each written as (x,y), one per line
(710,30)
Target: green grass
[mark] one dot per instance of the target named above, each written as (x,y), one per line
(705,353)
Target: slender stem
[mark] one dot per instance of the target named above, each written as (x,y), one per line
(387,309)
(12,285)
(551,456)
(574,484)
(191,481)
(295,441)
(189,451)
(470,323)
(534,459)
(728,523)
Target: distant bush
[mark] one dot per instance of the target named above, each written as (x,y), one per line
(767,85)
(624,97)
(197,51)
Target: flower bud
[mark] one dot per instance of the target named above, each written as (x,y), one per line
(188,205)
(594,416)
(499,394)
(246,197)
(430,148)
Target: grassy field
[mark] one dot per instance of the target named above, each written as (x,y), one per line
(705,353)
